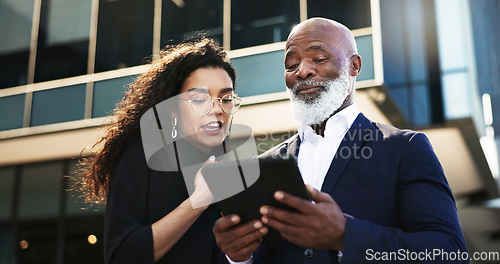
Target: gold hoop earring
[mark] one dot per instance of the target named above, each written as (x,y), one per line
(174,123)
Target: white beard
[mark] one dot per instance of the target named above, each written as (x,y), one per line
(311,111)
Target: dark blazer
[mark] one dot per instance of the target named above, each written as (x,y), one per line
(393,185)
(139,196)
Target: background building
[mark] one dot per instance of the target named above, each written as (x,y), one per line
(429,65)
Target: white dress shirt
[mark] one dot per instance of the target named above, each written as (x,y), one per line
(316,152)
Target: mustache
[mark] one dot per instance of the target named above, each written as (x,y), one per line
(322,84)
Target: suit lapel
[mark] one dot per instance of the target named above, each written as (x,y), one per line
(289,147)
(348,149)
(293,146)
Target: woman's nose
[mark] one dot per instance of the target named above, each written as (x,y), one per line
(217,109)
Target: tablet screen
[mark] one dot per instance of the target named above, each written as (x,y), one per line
(275,174)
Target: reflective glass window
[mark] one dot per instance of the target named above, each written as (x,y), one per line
(186,19)
(7,178)
(40,190)
(269,69)
(84,240)
(400,94)
(14,105)
(58,105)
(63,39)
(16,18)
(37,241)
(5,239)
(421,105)
(353,13)
(485,15)
(365,50)
(457,98)
(257,22)
(124,33)
(411,73)
(413,102)
(108,93)
(39,206)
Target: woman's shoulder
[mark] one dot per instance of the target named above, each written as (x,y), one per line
(134,149)
(131,157)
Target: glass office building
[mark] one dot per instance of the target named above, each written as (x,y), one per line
(429,65)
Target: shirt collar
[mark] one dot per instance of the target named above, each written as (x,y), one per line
(336,125)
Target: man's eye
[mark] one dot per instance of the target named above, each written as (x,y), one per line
(320,60)
(291,67)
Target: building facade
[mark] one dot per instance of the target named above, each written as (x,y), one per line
(429,65)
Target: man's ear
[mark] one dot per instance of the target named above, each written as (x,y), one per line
(355,65)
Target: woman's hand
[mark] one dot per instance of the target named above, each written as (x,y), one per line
(168,230)
(202,196)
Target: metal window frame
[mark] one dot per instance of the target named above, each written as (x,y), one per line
(91,77)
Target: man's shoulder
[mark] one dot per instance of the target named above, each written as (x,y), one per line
(390,132)
(282,148)
(397,135)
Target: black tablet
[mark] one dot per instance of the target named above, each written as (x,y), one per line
(275,174)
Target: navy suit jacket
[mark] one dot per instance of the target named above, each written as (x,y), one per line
(393,185)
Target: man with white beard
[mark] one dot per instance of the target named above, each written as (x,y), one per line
(384,196)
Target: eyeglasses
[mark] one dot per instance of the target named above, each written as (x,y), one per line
(202,104)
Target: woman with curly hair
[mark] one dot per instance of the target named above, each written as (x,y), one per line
(150,216)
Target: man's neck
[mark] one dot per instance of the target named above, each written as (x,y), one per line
(320,128)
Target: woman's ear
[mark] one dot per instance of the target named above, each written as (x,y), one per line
(173,114)
(229,128)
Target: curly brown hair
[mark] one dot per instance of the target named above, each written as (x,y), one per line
(163,80)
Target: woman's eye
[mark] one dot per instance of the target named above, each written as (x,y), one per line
(198,101)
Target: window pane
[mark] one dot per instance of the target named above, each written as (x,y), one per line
(353,14)
(107,94)
(14,105)
(452,37)
(40,239)
(78,249)
(124,33)
(365,50)
(63,39)
(7,177)
(257,22)
(401,96)
(268,66)
(15,33)
(186,20)
(40,190)
(456,95)
(58,105)
(421,105)
(5,241)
